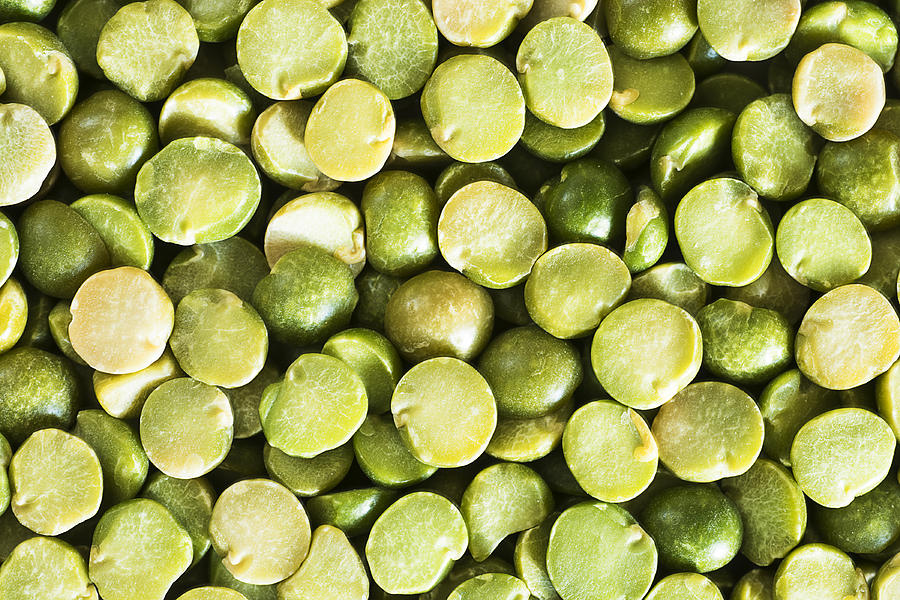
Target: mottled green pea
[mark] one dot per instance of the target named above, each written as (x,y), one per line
(43,567)
(217,20)
(373,358)
(118,448)
(458,175)
(598,550)
(407,560)
(383,456)
(497,586)
(650,29)
(887,582)
(556,144)
(819,571)
(308,476)
(646,231)
(774,290)
(331,571)
(375,290)
(674,283)
(848,337)
(745,30)
(479,23)
(650,90)
(13,313)
(79,28)
(207,107)
(708,431)
(127,239)
(730,91)
(308,296)
(474,108)
(106,164)
(233,264)
(724,205)
(685,586)
(625,144)
(868,525)
(528,439)
(842,454)
(190,502)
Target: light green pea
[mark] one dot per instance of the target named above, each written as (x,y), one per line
(651,90)
(708,431)
(383,456)
(757,584)
(212,593)
(822,244)
(466,569)
(13,313)
(118,448)
(491,586)
(135,538)
(887,582)
(685,586)
(127,238)
(332,570)
(530,558)
(528,439)
(406,560)
(650,29)
(556,144)
(25,10)
(373,358)
(190,502)
(393,44)
(842,454)
(44,567)
(291,49)
(646,231)
(123,395)
(186,427)
(9,248)
(414,147)
(308,476)
(350,131)
(479,23)
(746,30)
(641,328)
(674,283)
(79,28)
(233,264)
(220,576)
(718,206)
(573,286)
(598,550)
(245,401)
(353,511)
(166,33)
(317,407)
(437,395)
(26,141)
(168,197)
(207,107)
(474,108)
(815,571)
(887,395)
(217,20)
(260,531)
(610,450)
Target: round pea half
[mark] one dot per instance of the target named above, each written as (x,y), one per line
(474,108)
(212,593)
(165,32)
(127,238)
(838,91)
(25,141)
(43,567)
(437,395)
(480,23)
(405,560)
(197,190)
(308,476)
(383,456)
(317,407)
(712,208)
(190,501)
(350,131)
(818,571)
(598,550)
(233,264)
(135,538)
(610,451)
(528,439)
(186,428)
(291,49)
(708,431)
(118,448)
(121,320)
(842,454)
(573,287)
(209,107)
(564,88)
(331,571)
(747,30)
(260,530)
(650,90)
(848,337)
(492,234)
(13,313)
(641,328)
(556,144)
(373,358)
(650,29)
(56,482)
(685,586)
(491,585)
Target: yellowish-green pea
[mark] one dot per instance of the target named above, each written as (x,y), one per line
(564,88)
(887,396)
(583,10)
(650,90)
(123,396)
(474,108)
(848,337)
(217,20)
(317,407)
(650,29)
(26,141)
(373,358)
(44,567)
(748,30)
(530,559)
(165,32)
(260,531)
(724,205)
(350,131)
(13,313)
(118,448)
(464,570)
(886,584)
(383,456)
(573,287)
(190,502)
(127,238)
(479,23)
(197,190)
(440,395)
(646,231)
(186,428)
(674,283)
(842,454)
(494,586)
(131,540)
(209,107)
(815,571)
(414,146)
(308,476)
(405,560)
(838,91)
(331,571)
(685,586)
(492,234)
(9,248)
(708,431)
(757,584)
(528,439)
(56,482)
(121,320)
(212,593)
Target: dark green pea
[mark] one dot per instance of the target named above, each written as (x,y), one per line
(650,90)
(889,119)
(775,290)
(217,20)
(696,528)
(884,268)
(703,59)
(233,264)
(375,290)
(119,450)
(401,212)
(509,305)
(744,344)
(730,91)
(308,296)
(384,458)
(37,332)
(556,144)
(648,29)
(690,147)
(675,283)
(413,145)
(588,202)
(245,402)
(626,145)
(458,175)
(373,358)
(646,231)
(190,501)
(106,163)
(868,525)
(352,511)
(864,175)
(79,28)
(309,476)
(780,75)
